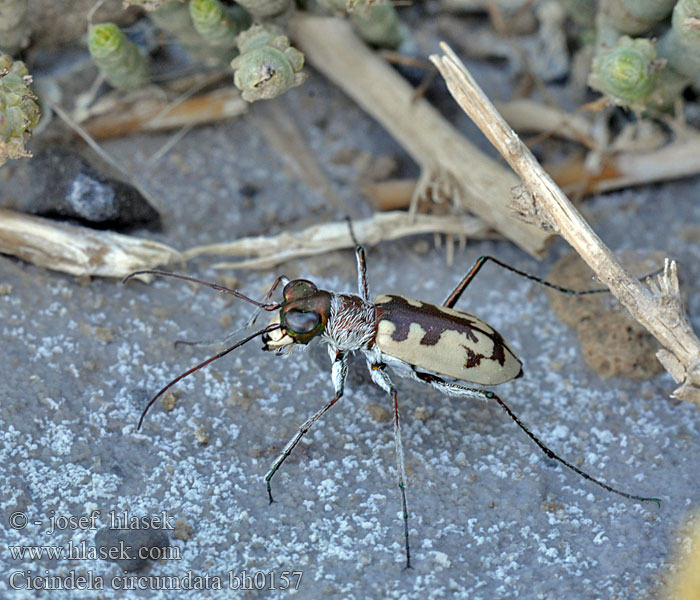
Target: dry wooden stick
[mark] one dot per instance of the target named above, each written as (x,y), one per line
(680,158)
(657,307)
(117,116)
(447,159)
(529,115)
(78,250)
(272,250)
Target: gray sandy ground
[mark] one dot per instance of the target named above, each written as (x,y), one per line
(490,517)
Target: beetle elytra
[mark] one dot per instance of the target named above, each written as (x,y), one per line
(437,345)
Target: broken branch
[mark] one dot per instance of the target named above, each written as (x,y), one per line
(658,309)
(78,250)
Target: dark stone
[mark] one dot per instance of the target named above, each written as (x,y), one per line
(63,184)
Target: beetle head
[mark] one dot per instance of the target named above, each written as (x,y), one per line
(302,316)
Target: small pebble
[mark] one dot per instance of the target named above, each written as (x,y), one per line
(183,530)
(169,400)
(201,435)
(378,413)
(421,413)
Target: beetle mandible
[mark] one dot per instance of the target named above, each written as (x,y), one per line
(437,345)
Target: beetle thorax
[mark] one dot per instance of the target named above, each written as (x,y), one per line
(352,324)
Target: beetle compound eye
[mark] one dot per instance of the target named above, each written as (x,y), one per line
(298,288)
(301,322)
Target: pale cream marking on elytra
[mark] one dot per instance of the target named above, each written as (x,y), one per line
(385,299)
(449,355)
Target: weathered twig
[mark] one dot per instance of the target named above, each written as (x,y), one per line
(146,111)
(447,159)
(680,158)
(78,250)
(531,116)
(658,308)
(272,250)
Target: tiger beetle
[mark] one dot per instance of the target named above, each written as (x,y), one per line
(438,345)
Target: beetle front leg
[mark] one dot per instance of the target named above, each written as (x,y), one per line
(381,378)
(339,373)
(361,258)
(362,283)
(256,314)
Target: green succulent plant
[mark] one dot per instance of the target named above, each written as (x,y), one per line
(267,65)
(119,59)
(19,112)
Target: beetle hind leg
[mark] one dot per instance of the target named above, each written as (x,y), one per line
(451,300)
(454,389)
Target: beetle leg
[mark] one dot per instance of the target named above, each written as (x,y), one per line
(362,273)
(254,316)
(451,300)
(339,374)
(454,389)
(381,378)
(362,285)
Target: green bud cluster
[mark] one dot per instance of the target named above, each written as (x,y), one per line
(267,65)
(118,58)
(19,112)
(218,24)
(646,73)
(627,72)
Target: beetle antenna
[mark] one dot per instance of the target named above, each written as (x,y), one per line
(256,312)
(270,306)
(248,325)
(267,329)
(551,454)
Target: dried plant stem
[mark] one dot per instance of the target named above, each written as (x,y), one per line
(119,116)
(531,116)
(680,158)
(447,159)
(272,250)
(657,307)
(78,250)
